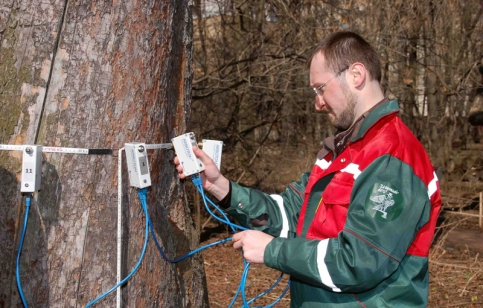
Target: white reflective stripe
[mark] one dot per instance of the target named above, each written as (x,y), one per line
(322,267)
(432,187)
(322,163)
(285,227)
(352,169)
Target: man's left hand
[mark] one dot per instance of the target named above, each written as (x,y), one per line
(253,244)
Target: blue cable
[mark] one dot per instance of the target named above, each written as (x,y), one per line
(243,285)
(278,299)
(142,197)
(268,290)
(235,296)
(199,185)
(239,289)
(19,252)
(189,254)
(142,193)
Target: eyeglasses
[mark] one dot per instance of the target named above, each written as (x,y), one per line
(319,90)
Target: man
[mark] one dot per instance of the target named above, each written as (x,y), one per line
(356,230)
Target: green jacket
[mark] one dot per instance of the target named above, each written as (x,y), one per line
(356,230)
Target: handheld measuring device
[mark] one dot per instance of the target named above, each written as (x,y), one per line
(183,145)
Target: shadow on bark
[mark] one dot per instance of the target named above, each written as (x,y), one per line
(8,217)
(43,217)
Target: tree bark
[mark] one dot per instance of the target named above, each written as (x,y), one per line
(95,74)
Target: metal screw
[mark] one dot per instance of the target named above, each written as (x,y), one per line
(141,148)
(29,150)
(192,137)
(26,185)
(145,181)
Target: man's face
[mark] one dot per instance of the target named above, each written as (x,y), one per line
(335,97)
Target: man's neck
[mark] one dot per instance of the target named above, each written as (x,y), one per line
(370,96)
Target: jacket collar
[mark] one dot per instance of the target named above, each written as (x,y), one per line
(337,143)
(373,116)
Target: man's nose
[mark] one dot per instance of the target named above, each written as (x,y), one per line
(319,102)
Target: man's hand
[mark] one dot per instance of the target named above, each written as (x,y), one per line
(253,244)
(213,181)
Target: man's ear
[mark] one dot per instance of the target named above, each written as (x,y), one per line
(358,74)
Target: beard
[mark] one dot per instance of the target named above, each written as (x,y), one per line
(345,119)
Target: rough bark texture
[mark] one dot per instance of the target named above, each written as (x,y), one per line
(95,74)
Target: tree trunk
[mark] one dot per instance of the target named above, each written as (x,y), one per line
(95,74)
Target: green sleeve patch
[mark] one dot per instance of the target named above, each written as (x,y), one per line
(384,202)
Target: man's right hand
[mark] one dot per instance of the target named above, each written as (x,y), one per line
(213,181)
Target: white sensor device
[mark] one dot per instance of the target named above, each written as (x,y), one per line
(137,164)
(183,145)
(31,168)
(213,148)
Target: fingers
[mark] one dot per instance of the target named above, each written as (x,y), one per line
(180,172)
(237,243)
(201,155)
(237,236)
(179,168)
(253,244)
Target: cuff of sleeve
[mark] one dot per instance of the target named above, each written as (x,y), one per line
(272,251)
(226,201)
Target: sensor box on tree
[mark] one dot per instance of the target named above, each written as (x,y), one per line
(31,168)
(137,164)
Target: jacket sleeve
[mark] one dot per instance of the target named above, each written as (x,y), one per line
(275,214)
(374,239)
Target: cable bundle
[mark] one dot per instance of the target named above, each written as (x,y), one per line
(242,286)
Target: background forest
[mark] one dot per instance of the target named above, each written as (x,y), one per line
(251,86)
(251,90)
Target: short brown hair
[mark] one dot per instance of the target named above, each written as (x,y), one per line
(341,49)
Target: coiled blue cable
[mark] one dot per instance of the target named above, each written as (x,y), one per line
(19,251)
(242,287)
(277,300)
(142,197)
(270,289)
(243,283)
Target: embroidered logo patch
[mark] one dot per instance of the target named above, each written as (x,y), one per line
(384,202)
